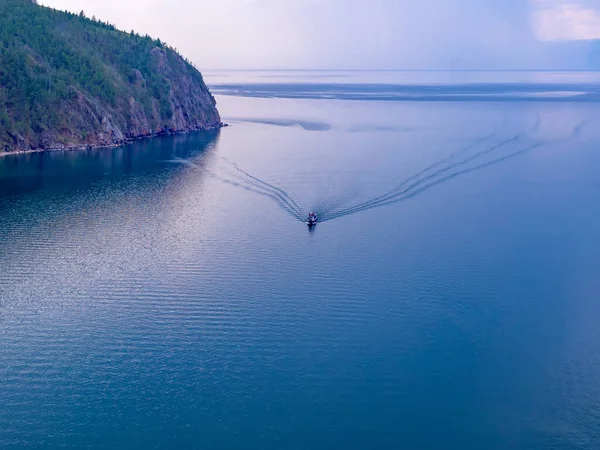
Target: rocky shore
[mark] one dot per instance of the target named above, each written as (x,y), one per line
(68,83)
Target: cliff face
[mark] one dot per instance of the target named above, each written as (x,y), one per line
(67,82)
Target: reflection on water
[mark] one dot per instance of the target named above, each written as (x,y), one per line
(304,124)
(32,171)
(489,92)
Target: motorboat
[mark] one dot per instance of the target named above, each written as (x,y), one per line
(312,219)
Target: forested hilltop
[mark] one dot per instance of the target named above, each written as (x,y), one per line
(67,81)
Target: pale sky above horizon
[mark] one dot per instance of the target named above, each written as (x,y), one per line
(356,34)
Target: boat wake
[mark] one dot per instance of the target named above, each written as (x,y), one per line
(479,154)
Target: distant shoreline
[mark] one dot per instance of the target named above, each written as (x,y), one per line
(76,148)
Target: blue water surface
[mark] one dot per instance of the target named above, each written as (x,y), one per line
(167,294)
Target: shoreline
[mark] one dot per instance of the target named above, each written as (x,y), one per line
(129,141)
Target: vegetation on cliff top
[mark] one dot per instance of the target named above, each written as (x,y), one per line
(49,58)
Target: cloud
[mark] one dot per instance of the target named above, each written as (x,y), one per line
(354,34)
(564,21)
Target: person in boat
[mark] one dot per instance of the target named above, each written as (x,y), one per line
(312,217)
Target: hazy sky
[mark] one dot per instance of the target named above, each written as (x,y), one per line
(393,34)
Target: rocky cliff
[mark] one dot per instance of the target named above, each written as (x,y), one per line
(69,82)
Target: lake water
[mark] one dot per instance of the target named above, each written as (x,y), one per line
(168,295)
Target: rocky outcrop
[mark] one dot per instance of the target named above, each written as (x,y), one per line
(121,86)
(87,122)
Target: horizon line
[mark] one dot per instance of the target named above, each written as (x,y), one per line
(391,70)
